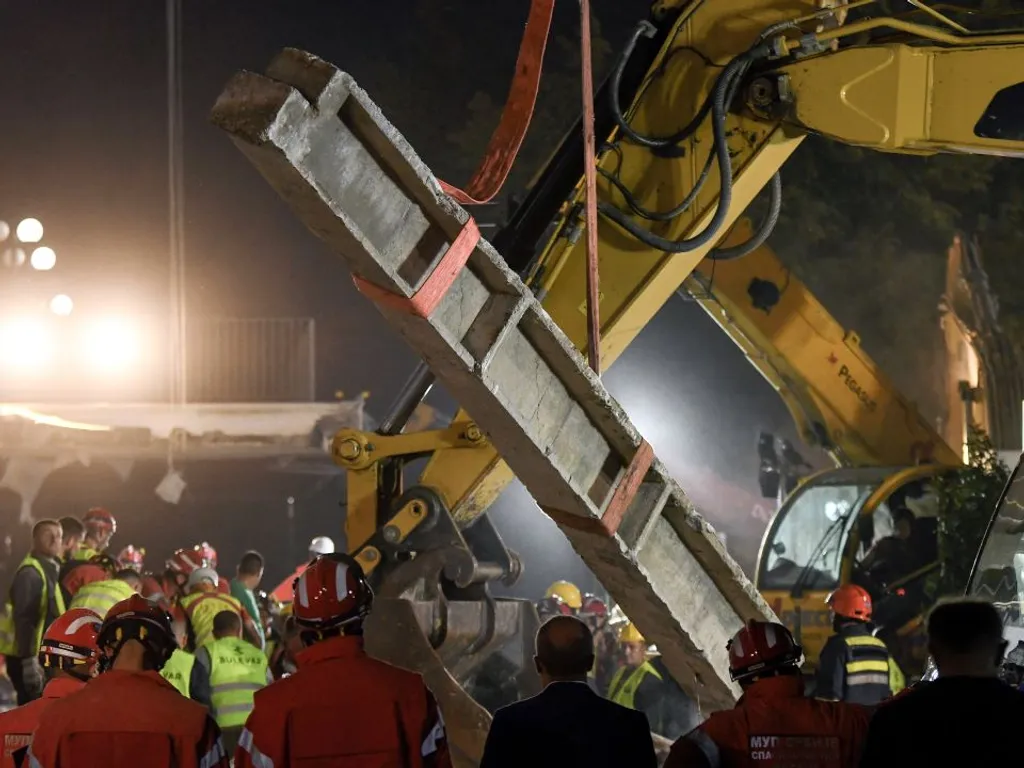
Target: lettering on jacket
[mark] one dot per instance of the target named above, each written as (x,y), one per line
(15,741)
(793,751)
(853,386)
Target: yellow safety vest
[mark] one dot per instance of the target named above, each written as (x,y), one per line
(83,552)
(100,596)
(8,641)
(178,671)
(201,607)
(622,689)
(237,670)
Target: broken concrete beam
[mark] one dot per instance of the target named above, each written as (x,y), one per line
(323,144)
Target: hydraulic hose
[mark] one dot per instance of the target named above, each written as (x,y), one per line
(764,229)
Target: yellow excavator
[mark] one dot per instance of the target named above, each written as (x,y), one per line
(707,102)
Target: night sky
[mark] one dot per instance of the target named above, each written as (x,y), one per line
(84,150)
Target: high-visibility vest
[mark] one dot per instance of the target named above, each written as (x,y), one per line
(200,609)
(237,670)
(868,670)
(8,641)
(100,596)
(178,671)
(623,687)
(83,552)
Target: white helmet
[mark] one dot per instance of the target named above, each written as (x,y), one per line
(321,545)
(202,574)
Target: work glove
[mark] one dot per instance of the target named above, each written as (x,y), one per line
(32,677)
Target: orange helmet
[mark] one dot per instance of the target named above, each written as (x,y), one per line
(101,519)
(137,619)
(331,593)
(761,647)
(208,553)
(132,557)
(851,602)
(70,642)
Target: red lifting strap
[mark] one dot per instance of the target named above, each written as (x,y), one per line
(515,118)
(425,300)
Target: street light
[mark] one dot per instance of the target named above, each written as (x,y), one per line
(61,305)
(30,231)
(24,344)
(43,258)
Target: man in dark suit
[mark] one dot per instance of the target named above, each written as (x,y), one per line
(567,724)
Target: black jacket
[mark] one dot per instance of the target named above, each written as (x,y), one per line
(567,725)
(954,721)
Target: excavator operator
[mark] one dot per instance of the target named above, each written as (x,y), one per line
(855,666)
(383,715)
(773,723)
(129,715)
(68,656)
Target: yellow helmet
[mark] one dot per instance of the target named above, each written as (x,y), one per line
(567,592)
(286,609)
(630,634)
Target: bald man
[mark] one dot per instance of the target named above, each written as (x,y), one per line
(567,723)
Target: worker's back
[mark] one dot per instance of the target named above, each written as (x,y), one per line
(343,704)
(17,725)
(127,719)
(775,725)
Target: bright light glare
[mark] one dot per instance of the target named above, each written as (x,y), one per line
(30,231)
(5,231)
(111,345)
(24,344)
(43,258)
(61,304)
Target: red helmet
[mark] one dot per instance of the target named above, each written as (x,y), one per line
(207,553)
(761,646)
(594,606)
(184,561)
(850,601)
(331,592)
(106,562)
(132,557)
(70,642)
(100,518)
(138,619)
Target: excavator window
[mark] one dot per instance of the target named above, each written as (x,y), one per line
(805,542)
(1003,118)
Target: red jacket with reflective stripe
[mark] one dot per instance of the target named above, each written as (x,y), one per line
(124,719)
(17,725)
(345,707)
(773,724)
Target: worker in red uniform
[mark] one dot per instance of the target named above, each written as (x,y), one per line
(391,718)
(132,557)
(100,527)
(165,589)
(68,655)
(209,554)
(773,724)
(129,715)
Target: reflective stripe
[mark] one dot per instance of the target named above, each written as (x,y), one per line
(854,667)
(215,756)
(868,678)
(863,640)
(706,745)
(625,694)
(8,639)
(201,608)
(257,758)
(432,739)
(228,687)
(32,762)
(100,596)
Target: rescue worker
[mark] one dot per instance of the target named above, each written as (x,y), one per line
(100,527)
(248,575)
(209,556)
(181,671)
(320,545)
(168,587)
(854,665)
(34,602)
(73,530)
(236,670)
(132,557)
(69,655)
(75,574)
(643,683)
(100,596)
(608,656)
(773,723)
(282,657)
(568,593)
(393,720)
(552,606)
(129,711)
(202,602)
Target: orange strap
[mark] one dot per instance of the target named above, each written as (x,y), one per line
(424,301)
(515,118)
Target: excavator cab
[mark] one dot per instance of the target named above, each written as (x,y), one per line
(873,526)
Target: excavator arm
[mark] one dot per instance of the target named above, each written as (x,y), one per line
(719,94)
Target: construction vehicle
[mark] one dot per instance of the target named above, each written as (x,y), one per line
(755,76)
